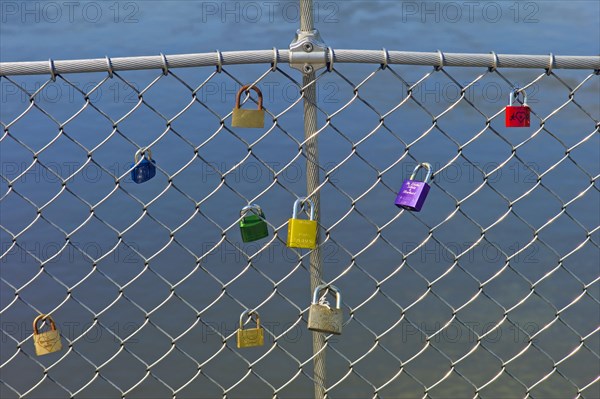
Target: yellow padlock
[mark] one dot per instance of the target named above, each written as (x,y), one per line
(46,342)
(248,117)
(252,336)
(302,233)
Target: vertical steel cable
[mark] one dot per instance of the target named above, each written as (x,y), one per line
(306,15)
(316,261)
(312,182)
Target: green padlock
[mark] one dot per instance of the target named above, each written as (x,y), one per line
(253,227)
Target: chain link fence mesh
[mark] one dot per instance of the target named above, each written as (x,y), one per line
(492,290)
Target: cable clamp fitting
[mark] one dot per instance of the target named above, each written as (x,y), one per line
(308,53)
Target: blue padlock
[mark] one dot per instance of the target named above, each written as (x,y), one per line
(146,169)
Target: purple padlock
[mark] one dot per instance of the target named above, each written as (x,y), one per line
(413,193)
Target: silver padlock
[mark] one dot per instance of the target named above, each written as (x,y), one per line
(322,317)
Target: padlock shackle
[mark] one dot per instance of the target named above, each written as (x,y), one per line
(514,94)
(254,208)
(301,202)
(249,312)
(245,88)
(142,151)
(43,317)
(328,287)
(427,167)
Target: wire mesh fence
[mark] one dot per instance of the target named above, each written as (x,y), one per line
(492,290)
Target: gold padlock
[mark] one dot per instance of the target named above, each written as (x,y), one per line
(302,233)
(252,336)
(46,342)
(248,117)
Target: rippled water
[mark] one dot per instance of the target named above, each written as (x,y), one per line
(38,31)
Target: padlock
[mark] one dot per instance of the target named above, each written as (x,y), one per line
(517,115)
(251,336)
(413,193)
(302,233)
(46,342)
(146,169)
(323,318)
(248,117)
(253,227)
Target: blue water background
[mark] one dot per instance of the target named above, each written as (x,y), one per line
(120,29)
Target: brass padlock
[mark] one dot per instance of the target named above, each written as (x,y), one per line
(322,317)
(46,342)
(248,117)
(251,336)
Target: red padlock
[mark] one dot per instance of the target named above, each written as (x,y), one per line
(517,115)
